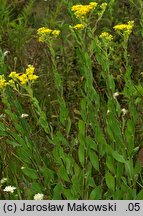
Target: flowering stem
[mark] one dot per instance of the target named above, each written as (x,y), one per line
(58,81)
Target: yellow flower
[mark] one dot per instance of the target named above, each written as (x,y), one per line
(55,33)
(32,77)
(2,82)
(30,73)
(131,23)
(40,39)
(28,76)
(11,83)
(45,33)
(44,30)
(78,26)
(106,36)
(76,7)
(30,70)
(23,78)
(103,6)
(125,27)
(80,11)
(14,75)
(93,4)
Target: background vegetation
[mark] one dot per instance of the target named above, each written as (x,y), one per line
(80,140)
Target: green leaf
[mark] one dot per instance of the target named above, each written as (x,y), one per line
(60,139)
(43,122)
(68,194)
(91,181)
(56,155)
(96,193)
(2,133)
(91,144)
(13,143)
(109,132)
(83,109)
(116,155)
(138,167)
(63,174)
(110,181)
(57,192)
(19,128)
(130,134)
(81,126)
(129,168)
(100,140)
(81,138)
(110,164)
(81,154)
(63,112)
(25,154)
(68,126)
(12,116)
(111,82)
(119,172)
(115,125)
(77,181)
(35,188)
(140,195)
(135,150)
(128,73)
(58,80)
(2,127)
(17,138)
(68,162)
(31,173)
(94,159)
(13,166)
(47,174)
(118,108)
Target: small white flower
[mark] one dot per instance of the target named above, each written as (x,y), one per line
(108,111)
(116,94)
(3,180)
(6,52)
(38,196)
(22,167)
(24,115)
(124,111)
(9,189)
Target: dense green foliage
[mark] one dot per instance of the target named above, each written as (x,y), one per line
(82,137)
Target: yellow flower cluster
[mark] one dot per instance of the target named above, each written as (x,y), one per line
(45,33)
(106,36)
(25,77)
(81,11)
(125,27)
(103,6)
(78,26)
(14,75)
(2,82)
